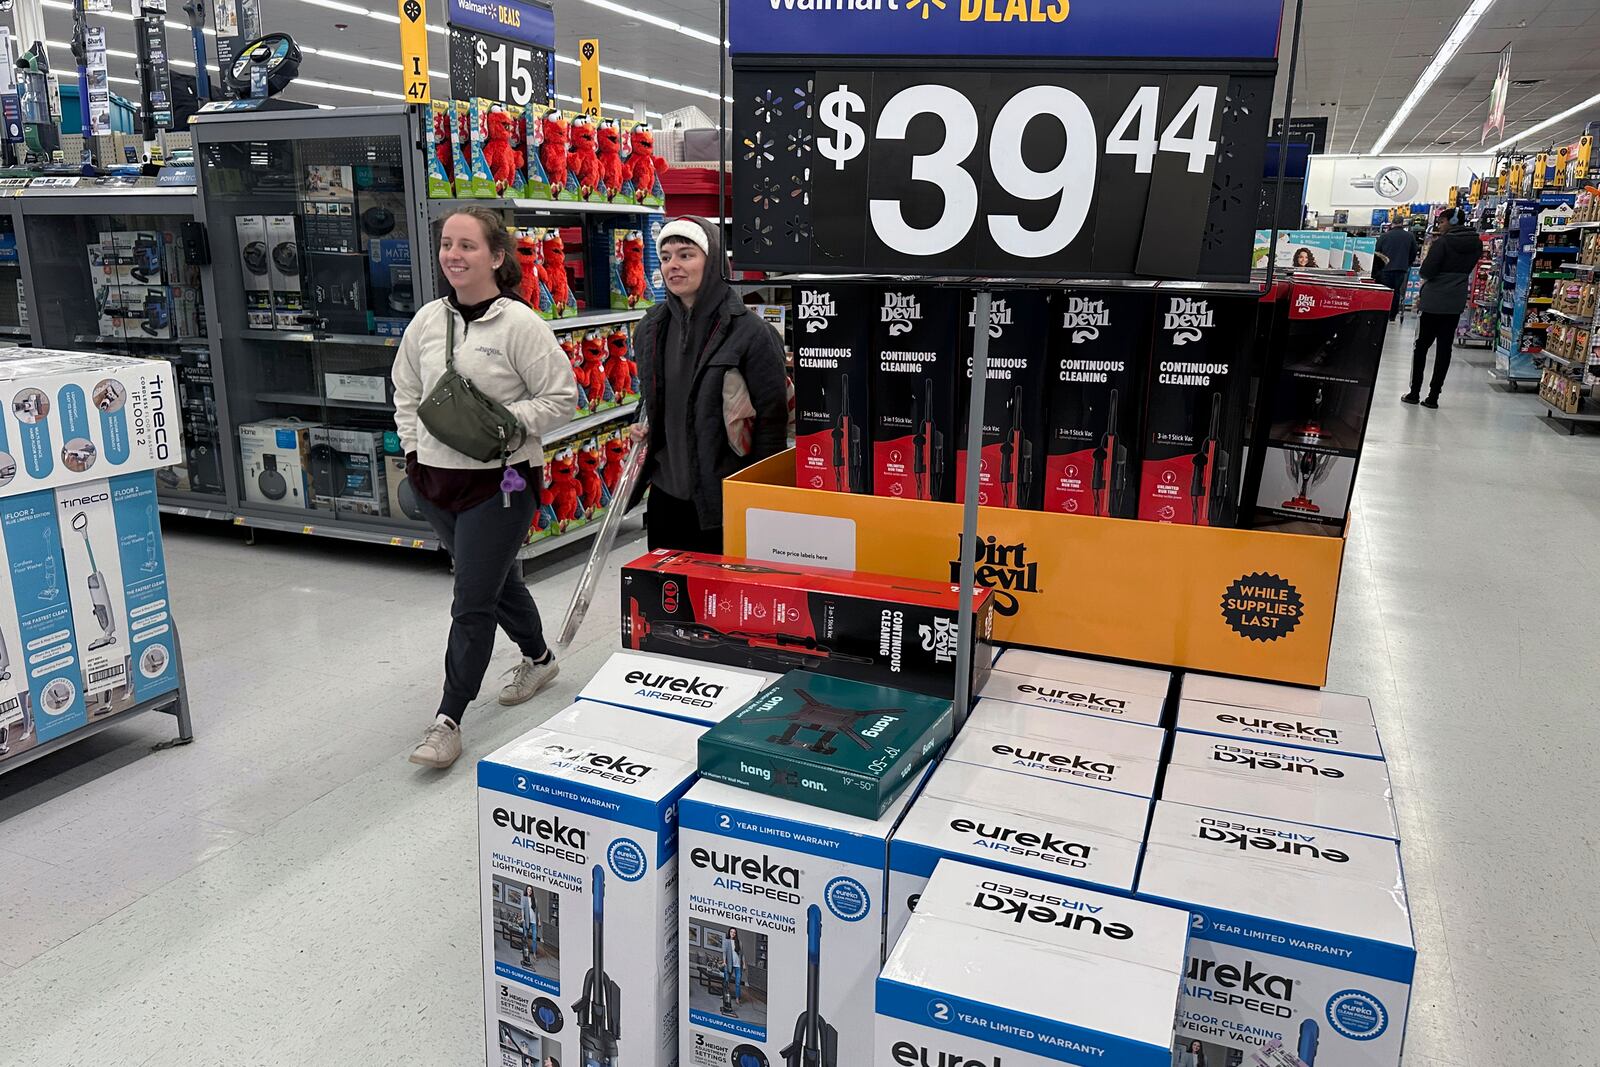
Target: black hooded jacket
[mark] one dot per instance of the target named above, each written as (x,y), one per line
(1447,270)
(717,336)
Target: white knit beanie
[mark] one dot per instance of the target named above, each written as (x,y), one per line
(686,229)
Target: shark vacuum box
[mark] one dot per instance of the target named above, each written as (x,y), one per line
(1001,969)
(781,928)
(1301,937)
(578,880)
(838,744)
(832,382)
(1279,782)
(1066,833)
(677,688)
(896,632)
(1085,686)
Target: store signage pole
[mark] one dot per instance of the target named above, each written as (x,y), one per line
(589,76)
(969,509)
(1283,147)
(414,51)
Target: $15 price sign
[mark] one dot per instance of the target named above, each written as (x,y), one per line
(1015,172)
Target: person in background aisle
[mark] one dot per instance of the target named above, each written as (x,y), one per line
(480,511)
(702,356)
(1446,272)
(1398,247)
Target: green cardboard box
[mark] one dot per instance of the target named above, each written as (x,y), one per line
(838,744)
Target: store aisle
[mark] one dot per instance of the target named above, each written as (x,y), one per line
(290,890)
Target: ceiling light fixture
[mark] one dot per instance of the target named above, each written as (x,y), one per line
(1593,101)
(1441,59)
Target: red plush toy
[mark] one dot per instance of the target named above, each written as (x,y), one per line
(589,482)
(553,152)
(569,345)
(582,158)
(528,260)
(594,372)
(619,368)
(441,141)
(504,160)
(610,156)
(616,452)
(564,489)
(555,266)
(632,255)
(643,164)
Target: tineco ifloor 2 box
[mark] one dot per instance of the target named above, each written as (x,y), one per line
(781,929)
(832,387)
(1012,472)
(1001,970)
(914,347)
(578,873)
(1098,340)
(1301,937)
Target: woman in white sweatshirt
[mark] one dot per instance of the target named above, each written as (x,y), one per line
(481,512)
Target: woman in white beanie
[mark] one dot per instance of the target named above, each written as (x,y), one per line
(691,346)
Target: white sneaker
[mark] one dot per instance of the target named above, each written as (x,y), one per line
(441,745)
(527,678)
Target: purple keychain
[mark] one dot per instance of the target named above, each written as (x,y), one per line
(511,482)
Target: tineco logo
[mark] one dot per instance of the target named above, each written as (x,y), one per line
(1003,568)
(816,309)
(755,876)
(1057,912)
(1188,319)
(157,403)
(900,311)
(999,317)
(84,501)
(908,1055)
(1085,318)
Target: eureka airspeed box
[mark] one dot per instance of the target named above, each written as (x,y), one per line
(832,387)
(838,744)
(897,632)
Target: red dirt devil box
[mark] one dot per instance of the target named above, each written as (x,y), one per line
(873,628)
(1010,475)
(1195,407)
(1098,340)
(913,392)
(832,371)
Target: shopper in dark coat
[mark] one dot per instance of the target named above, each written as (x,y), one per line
(1398,246)
(1446,275)
(693,349)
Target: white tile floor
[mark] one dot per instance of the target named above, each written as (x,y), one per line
(289,890)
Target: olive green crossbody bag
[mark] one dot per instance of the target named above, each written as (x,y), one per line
(459,414)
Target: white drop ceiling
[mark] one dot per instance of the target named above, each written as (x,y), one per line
(1358,60)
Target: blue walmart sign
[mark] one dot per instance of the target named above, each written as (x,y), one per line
(514,20)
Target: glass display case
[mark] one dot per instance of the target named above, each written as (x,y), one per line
(122,270)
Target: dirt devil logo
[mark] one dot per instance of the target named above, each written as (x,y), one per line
(999,318)
(900,310)
(1084,317)
(816,309)
(1188,318)
(1003,568)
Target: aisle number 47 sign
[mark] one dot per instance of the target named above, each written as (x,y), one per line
(414,50)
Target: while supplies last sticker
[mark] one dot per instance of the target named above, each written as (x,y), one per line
(1262,607)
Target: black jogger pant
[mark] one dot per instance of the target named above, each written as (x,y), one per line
(483,543)
(1396,281)
(672,522)
(1437,328)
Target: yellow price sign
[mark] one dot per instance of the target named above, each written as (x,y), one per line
(414,50)
(589,75)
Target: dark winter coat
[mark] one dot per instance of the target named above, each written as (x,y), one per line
(1447,271)
(727,336)
(1399,245)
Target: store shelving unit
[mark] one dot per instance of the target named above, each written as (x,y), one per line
(1480,322)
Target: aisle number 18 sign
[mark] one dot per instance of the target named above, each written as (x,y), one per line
(961,166)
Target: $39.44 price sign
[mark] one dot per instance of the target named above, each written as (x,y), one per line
(1015,172)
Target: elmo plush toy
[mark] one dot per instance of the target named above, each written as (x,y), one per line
(528,260)
(504,160)
(569,343)
(553,152)
(582,158)
(555,268)
(609,152)
(643,165)
(594,372)
(619,368)
(616,451)
(441,140)
(593,490)
(632,256)
(564,489)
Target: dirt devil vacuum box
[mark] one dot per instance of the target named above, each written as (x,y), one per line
(1199,385)
(914,349)
(1011,474)
(578,878)
(1098,344)
(1066,833)
(832,387)
(1301,936)
(677,688)
(1000,970)
(1279,782)
(896,632)
(781,928)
